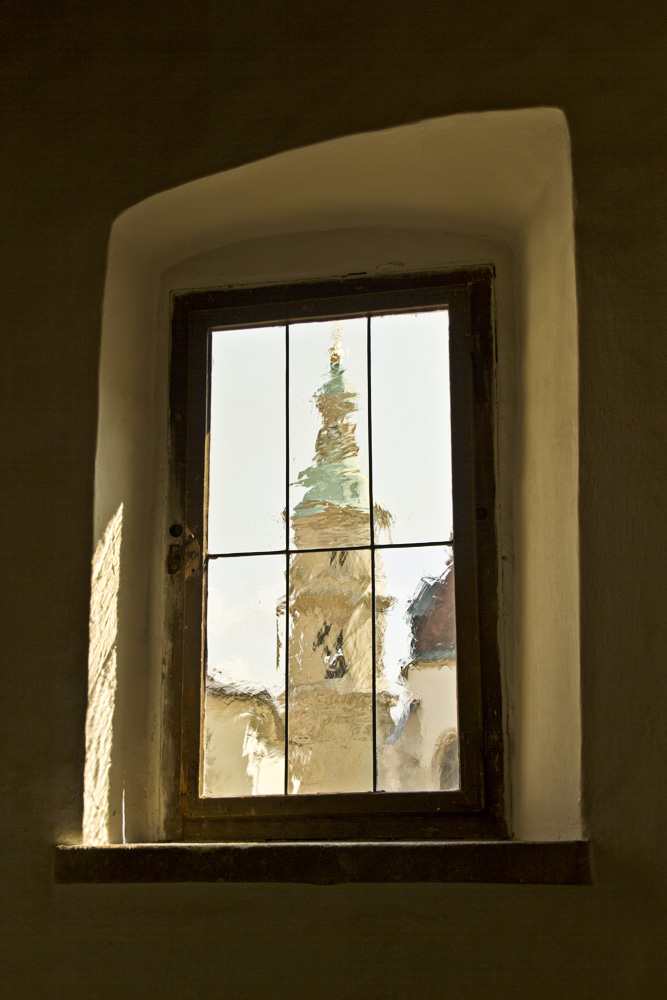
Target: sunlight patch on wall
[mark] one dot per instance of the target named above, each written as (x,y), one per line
(102,680)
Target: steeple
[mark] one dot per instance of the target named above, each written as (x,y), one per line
(334,509)
(330,738)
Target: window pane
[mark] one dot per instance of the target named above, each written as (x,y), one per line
(329,725)
(244,729)
(412,480)
(247,444)
(416,670)
(329,493)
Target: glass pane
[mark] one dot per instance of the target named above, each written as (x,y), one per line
(330,718)
(412,478)
(416,670)
(247,444)
(244,710)
(329,493)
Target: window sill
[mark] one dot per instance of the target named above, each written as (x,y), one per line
(328,863)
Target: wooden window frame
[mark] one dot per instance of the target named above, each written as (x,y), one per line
(477,809)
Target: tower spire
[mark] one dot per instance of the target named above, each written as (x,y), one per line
(334,509)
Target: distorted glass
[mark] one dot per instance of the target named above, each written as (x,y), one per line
(328,448)
(412,466)
(294,703)
(330,714)
(247,448)
(244,705)
(417,741)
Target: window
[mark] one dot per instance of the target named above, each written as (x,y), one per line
(336,682)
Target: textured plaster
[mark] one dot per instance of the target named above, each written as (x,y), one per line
(104,106)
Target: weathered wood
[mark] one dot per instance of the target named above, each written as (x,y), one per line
(477,808)
(322,863)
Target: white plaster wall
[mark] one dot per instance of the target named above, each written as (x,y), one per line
(130,419)
(484,188)
(546,744)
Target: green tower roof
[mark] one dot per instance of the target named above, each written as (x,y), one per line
(335,476)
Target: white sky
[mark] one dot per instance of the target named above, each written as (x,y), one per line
(411,424)
(242,625)
(247,444)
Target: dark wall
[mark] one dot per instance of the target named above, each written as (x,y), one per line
(106,104)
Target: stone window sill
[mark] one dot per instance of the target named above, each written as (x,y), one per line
(329,863)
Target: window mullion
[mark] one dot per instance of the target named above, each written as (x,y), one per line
(372,539)
(287,557)
(327,548)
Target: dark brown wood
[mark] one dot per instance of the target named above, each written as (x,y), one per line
(483,358)
(331,298)
(477,809)
(321,863)
(297,824)
(193,583)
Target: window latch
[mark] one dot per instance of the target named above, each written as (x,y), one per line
(185,554)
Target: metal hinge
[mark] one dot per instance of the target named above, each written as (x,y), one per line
(184,555)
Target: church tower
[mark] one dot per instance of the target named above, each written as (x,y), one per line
(321,716)
(330,711)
